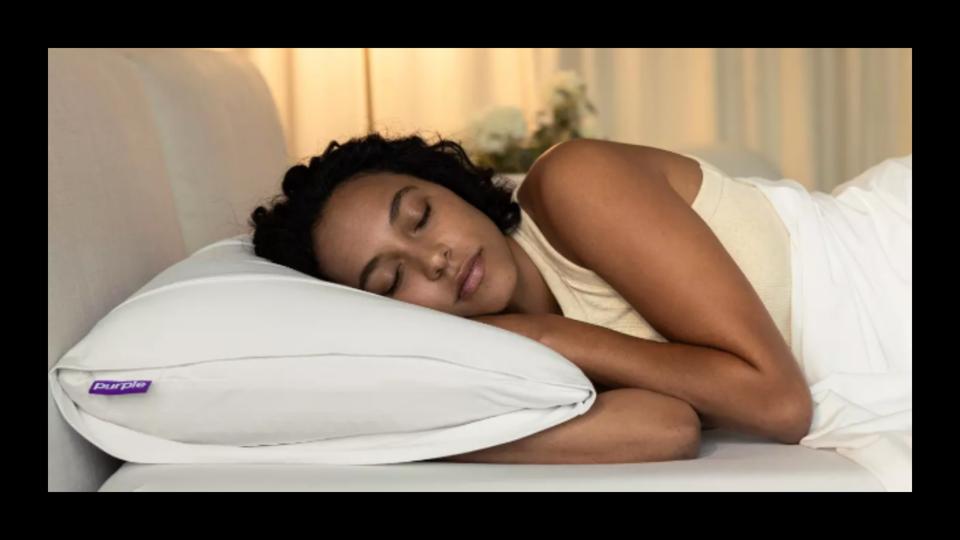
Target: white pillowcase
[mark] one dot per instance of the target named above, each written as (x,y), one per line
(242,360)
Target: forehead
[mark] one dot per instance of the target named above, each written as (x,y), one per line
(355,221)
(365,185)
(366,194)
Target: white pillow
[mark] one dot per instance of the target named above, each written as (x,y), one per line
(243,360)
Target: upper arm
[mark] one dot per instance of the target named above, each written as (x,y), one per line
(613,207)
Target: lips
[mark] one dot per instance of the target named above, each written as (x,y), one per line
(465,271)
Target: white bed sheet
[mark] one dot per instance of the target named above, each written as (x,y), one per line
(727,462)
(852,313)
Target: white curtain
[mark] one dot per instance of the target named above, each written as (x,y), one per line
(821,115)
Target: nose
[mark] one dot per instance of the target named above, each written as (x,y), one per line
(439,261)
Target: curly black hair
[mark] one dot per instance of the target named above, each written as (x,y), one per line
(283,233)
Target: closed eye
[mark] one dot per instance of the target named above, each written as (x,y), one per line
(426,217)
(399,275)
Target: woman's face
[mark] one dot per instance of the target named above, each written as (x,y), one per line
(420,253)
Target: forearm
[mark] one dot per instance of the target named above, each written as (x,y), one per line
(627,425)
(724,389)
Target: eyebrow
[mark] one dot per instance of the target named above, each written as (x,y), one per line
(394,211)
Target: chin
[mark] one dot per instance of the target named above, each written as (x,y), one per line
(500,300)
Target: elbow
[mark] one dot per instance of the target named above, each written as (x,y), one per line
(687,438)
(689,447)
(794,417)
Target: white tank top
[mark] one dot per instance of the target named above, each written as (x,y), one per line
(738,213)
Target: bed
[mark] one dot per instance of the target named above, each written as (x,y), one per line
(727,462)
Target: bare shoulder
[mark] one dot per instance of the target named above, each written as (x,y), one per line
(680,173)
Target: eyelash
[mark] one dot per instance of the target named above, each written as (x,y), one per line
(399,275)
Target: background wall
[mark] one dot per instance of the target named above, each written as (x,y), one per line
(821,115)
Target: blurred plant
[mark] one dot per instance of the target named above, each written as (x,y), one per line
(498,137)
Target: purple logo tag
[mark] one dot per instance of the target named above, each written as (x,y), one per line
(119,387)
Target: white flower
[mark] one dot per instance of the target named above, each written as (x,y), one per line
(561,82)
(590,127)
(545,117)
(497,127)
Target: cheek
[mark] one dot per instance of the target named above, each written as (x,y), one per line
(428,294)
(500,271)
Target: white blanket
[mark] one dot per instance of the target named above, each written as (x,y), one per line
(852,255)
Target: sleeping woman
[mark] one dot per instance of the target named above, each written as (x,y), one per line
(671,285)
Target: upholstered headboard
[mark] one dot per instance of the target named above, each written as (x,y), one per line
(151,155)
